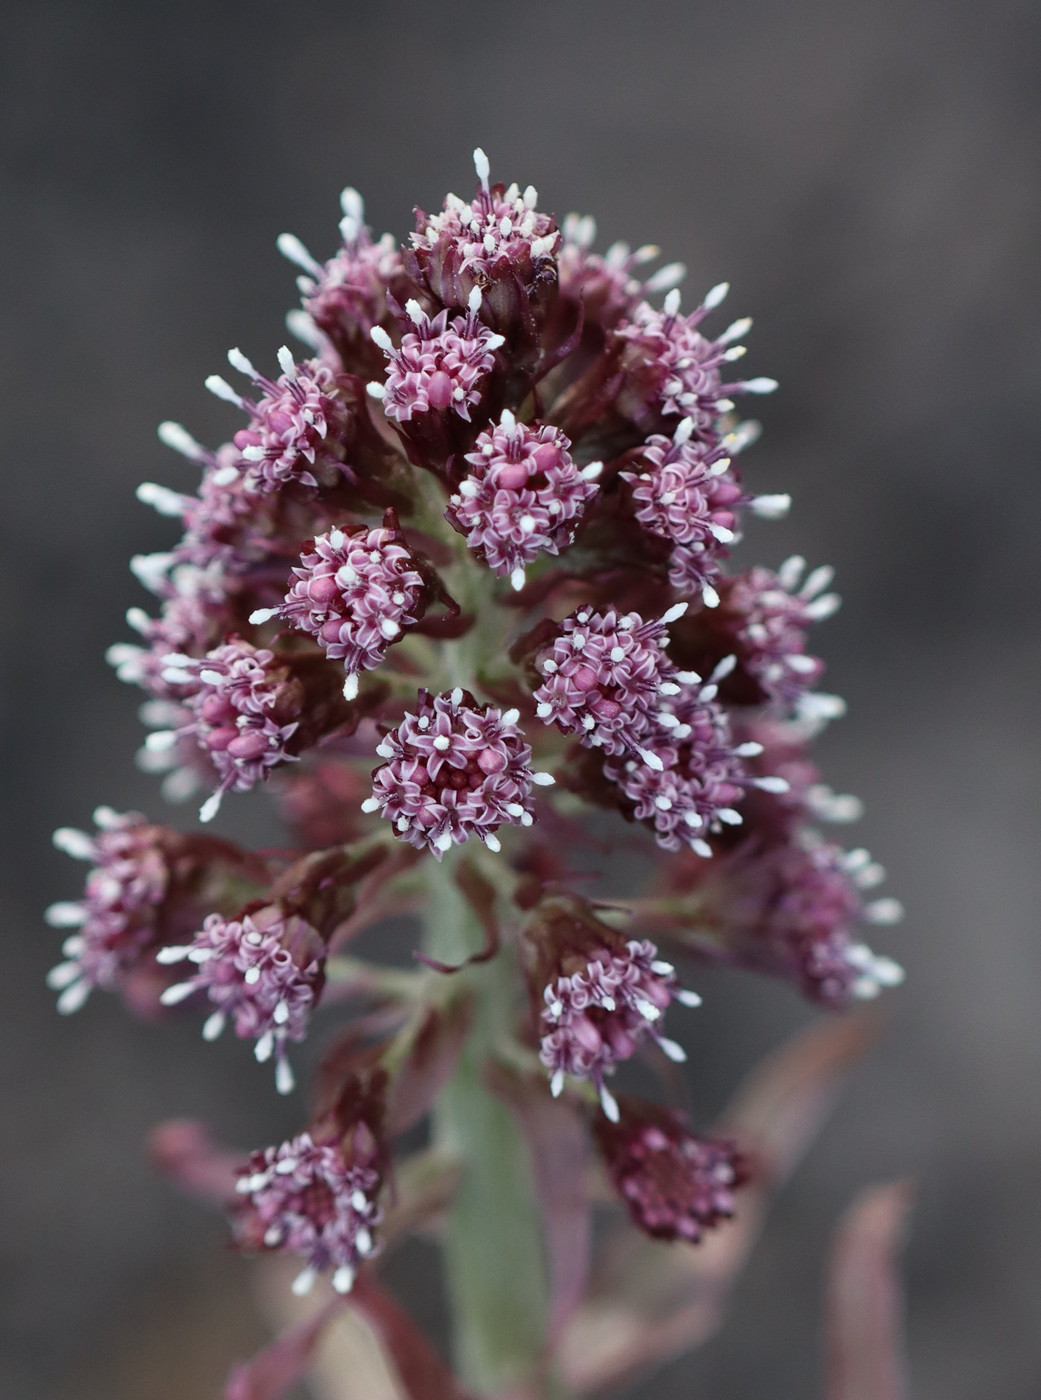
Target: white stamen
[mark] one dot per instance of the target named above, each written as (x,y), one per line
(666,277)
(210,807)
(285,1080)
(518,577)
(771,784)
(380,337)
(65,914)
(762,385)
(556,1084)
(73,997)
(483,167)
(304,1282)
(884,911)
(180,991)
(609,1104)
(238,361)
(161,499)
(213,1026)
(771,507)
(74,843)
(735,331)
(715,295)
(173,435)
(291,248)
(262,615)
(62,975)
(221,389)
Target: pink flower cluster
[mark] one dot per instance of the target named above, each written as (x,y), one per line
(524,495)
(666,356)
(117,919)
(494,404)
(597,1015)
(686,493)
(498,240)
(355,593)
(604,676)
(307,1197)
(295,427)
(454,769)
(439,365)
(263,972)
(246,708)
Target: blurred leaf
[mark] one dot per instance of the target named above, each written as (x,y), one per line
(423,1375)
(652,1300)
(864,1305)
(422,1059)
(281,1365)
(183,1151)
(422,1187)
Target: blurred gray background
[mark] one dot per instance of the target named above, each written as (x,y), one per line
(867,178)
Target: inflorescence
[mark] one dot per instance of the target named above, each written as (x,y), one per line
(465,572)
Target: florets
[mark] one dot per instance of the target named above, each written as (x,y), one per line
(315,1200)
(440,365)
(263,972)
(524,495)
(675,1185)
(455,769)
(604,677)
(355,593)
(600,996)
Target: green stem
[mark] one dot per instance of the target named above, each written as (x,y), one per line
(493,1252)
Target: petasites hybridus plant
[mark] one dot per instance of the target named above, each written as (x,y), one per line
(461,579)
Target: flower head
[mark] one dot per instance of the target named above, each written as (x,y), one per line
(439,366)
(698,775)
(499,241)
(118,919)
(600,995)
(147,884)
(523,497)
(345,297)
(317,1199)
(454,769)
(789,906)
(262,971)
(609,285)
(675,1185)
(354,592)
(246,708)
(297,426)
(605,675)
(671,368)
(686,493)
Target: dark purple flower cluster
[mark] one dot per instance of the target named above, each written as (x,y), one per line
(675,1185)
